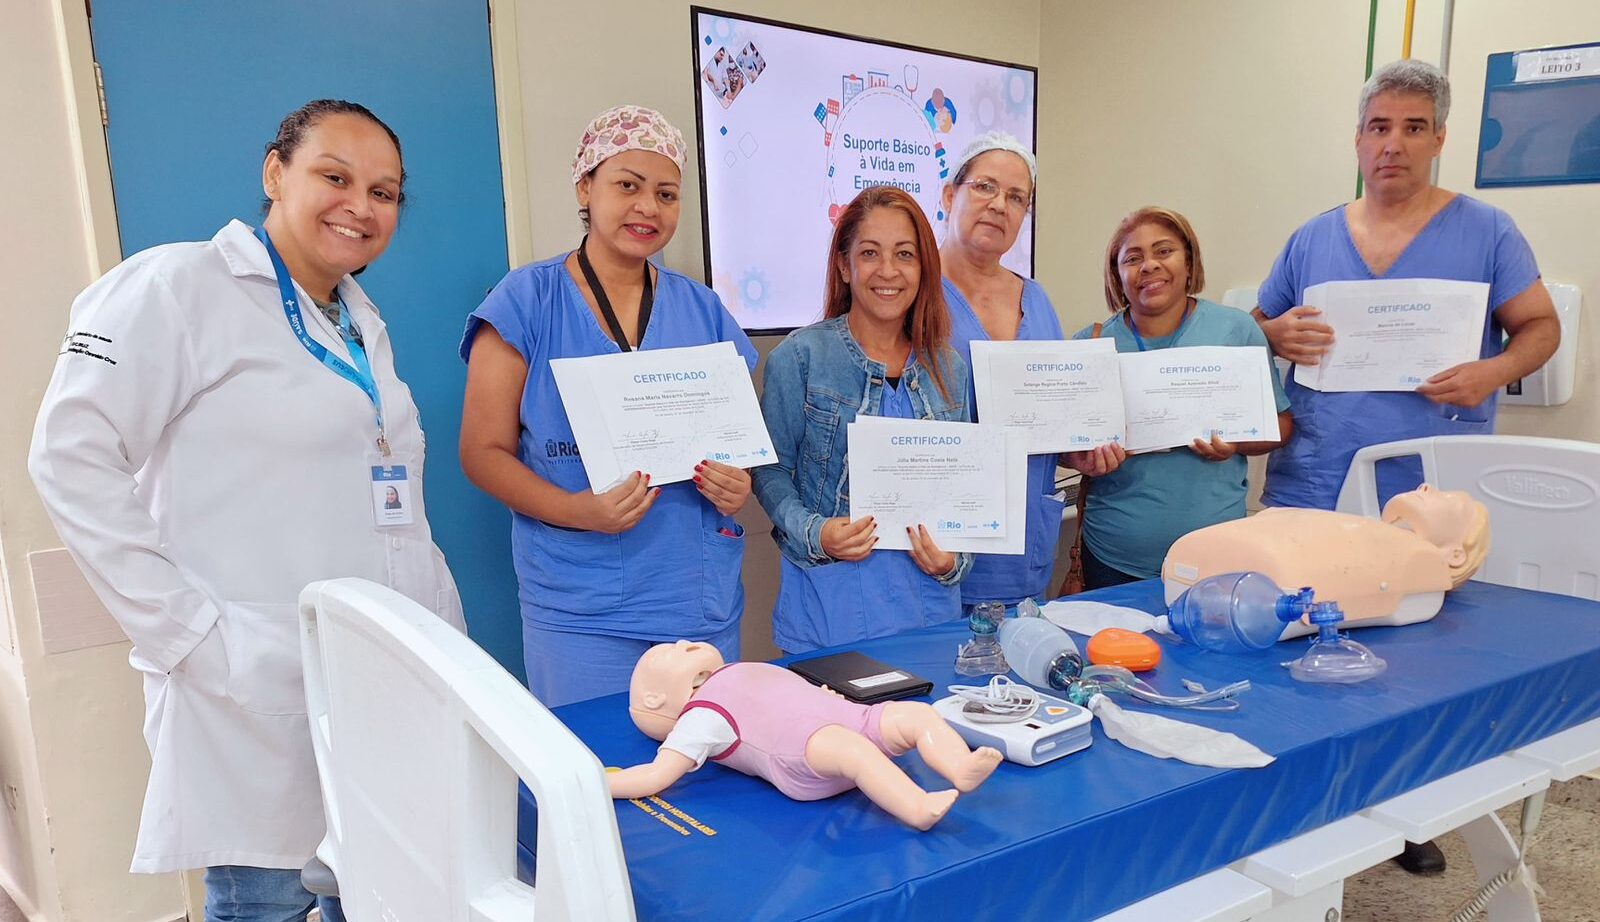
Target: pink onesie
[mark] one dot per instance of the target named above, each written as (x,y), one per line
(774,714)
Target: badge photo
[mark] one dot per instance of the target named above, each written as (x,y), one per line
(391,495)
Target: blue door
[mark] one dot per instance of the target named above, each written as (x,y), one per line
(194,91)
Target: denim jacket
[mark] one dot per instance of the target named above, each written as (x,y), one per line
(816,382)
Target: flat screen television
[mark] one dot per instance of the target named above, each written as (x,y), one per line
(794,121)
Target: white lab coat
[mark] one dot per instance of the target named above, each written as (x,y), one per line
(202,468)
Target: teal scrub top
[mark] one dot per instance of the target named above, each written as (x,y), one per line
(1135,513)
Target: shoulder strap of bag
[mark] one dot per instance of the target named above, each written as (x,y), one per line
(1083,482)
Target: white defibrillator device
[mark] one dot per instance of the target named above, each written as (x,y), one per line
(1057,728)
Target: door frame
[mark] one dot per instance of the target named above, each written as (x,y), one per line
(513,139)
(92,161)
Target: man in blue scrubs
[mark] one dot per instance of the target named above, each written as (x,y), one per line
(1405,227)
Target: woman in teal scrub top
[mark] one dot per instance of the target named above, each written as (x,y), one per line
(881,351)
(1134,513)
(603,576)
(987,199)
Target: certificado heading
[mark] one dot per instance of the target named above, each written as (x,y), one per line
(670,376)
(1399,308)
(925,440)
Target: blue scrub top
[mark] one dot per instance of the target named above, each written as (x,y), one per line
(1135,512)
(676,573)
(1467,240)
(1009,578)
(846,601)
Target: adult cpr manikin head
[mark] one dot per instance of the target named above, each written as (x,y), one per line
(664,680)
(1450,520)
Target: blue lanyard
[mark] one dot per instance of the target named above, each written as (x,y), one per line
(360,375)
(1127,320)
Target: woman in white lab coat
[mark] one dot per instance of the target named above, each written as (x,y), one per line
(224,426)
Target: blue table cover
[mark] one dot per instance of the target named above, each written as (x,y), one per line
(1095,831)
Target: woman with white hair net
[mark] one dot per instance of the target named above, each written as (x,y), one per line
(987,199)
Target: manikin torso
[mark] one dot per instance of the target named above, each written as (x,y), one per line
(1381,572)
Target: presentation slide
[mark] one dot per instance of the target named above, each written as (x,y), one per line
(795,122)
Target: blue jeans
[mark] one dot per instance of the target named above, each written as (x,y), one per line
(1100,575)
(235,893)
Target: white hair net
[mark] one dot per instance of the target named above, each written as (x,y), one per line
(995,140)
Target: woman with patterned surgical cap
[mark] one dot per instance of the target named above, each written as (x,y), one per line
(987,198)
(603,576)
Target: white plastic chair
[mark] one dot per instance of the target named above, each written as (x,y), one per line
(420,738)
(1543,497)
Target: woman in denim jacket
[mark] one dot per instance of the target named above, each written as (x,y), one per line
(882,351)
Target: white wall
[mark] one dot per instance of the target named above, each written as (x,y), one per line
(1237,114)
(72,763)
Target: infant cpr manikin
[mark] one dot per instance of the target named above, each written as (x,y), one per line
(1381,572)
(808,742)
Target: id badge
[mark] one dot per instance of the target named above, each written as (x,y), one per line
(391,495)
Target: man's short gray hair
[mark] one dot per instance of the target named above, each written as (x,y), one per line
(1408,76)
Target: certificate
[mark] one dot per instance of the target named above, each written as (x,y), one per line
(966,482)
(662,412)
(1394,334)
(1174,396)
(1065,395)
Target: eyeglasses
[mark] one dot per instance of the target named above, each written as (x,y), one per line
(987,190)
